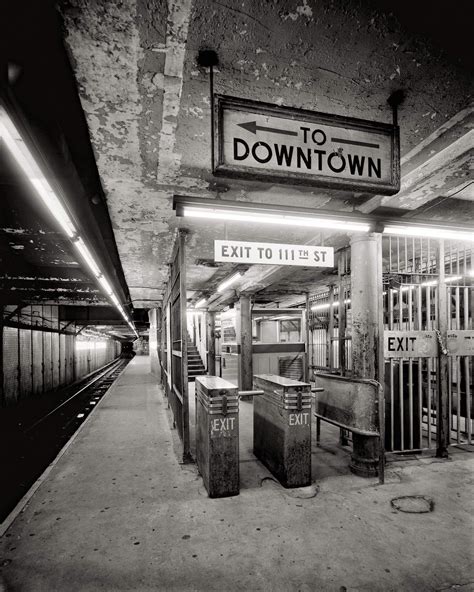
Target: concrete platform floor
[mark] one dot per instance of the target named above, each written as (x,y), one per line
(117,512)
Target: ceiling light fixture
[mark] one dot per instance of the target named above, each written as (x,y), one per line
(18,148)
(228,282)
(200,303)
(227,210)
(429,232)
(273,218)
(326,305)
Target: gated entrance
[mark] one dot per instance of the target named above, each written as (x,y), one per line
(428,304)
(428,344)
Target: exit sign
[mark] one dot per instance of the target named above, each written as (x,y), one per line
(262,141)
(273,254)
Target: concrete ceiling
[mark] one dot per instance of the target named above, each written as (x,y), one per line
(38,264)
(147,107)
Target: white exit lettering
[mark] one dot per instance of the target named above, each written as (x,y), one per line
(298,419)
(222,424)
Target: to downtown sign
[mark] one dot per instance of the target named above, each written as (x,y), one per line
(281,144)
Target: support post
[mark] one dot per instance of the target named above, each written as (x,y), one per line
(367,334)
(184,346)
(246,366)
(342,313)
(211,342)
(307,337)
(442,401)
(2,392)
(159,344)
(330,330)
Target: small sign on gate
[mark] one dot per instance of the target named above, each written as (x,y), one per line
(460,343)
(410,344)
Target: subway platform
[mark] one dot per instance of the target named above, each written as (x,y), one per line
(117,511)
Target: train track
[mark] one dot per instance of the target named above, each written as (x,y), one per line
(32,434)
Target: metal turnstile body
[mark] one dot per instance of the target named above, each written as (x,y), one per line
(217,435)
(282,428)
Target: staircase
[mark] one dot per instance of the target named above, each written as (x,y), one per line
(195,365)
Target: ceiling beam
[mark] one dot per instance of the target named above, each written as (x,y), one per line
(98,315)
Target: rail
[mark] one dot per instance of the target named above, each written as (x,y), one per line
(109,368)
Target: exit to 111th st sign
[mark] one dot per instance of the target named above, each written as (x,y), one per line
(273,254)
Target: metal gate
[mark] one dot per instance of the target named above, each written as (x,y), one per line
(174,361)
(428,343)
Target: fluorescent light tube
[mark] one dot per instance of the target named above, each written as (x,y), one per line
(281,219)
(228,282)
(25,159)
(86,255)
(325,306)
(200,303)
(105,284)
(429,232)
(429,283)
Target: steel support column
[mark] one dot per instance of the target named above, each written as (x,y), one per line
(245,324)
(366,303)
(211,342)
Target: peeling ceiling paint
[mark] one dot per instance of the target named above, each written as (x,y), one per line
(148,110)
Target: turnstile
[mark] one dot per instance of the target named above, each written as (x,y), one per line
(282,428)
(217,435)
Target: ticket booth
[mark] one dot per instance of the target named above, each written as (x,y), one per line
(278,345)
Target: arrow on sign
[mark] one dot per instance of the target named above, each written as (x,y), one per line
(252,127)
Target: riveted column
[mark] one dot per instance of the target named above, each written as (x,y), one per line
(211,343)
(367,356)
(245,323)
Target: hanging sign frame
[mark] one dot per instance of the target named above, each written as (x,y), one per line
(285,145)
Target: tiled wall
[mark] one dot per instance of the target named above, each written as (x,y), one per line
(39,359)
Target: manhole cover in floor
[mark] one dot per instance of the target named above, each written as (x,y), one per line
(413,504)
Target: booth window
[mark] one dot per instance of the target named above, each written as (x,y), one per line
(290,330)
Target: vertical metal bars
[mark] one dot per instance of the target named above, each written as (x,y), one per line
(416,305)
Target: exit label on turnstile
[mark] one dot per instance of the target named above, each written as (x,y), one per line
(273,254)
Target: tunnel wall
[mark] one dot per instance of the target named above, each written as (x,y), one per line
(36,358)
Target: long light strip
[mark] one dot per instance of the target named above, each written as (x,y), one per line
(200,303)
(326,305)
(429,232)
(14,142)
(25,159)
(228,282)
(280,219)
(448,280)
(323,220)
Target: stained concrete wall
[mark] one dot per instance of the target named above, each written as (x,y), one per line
(35,358)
